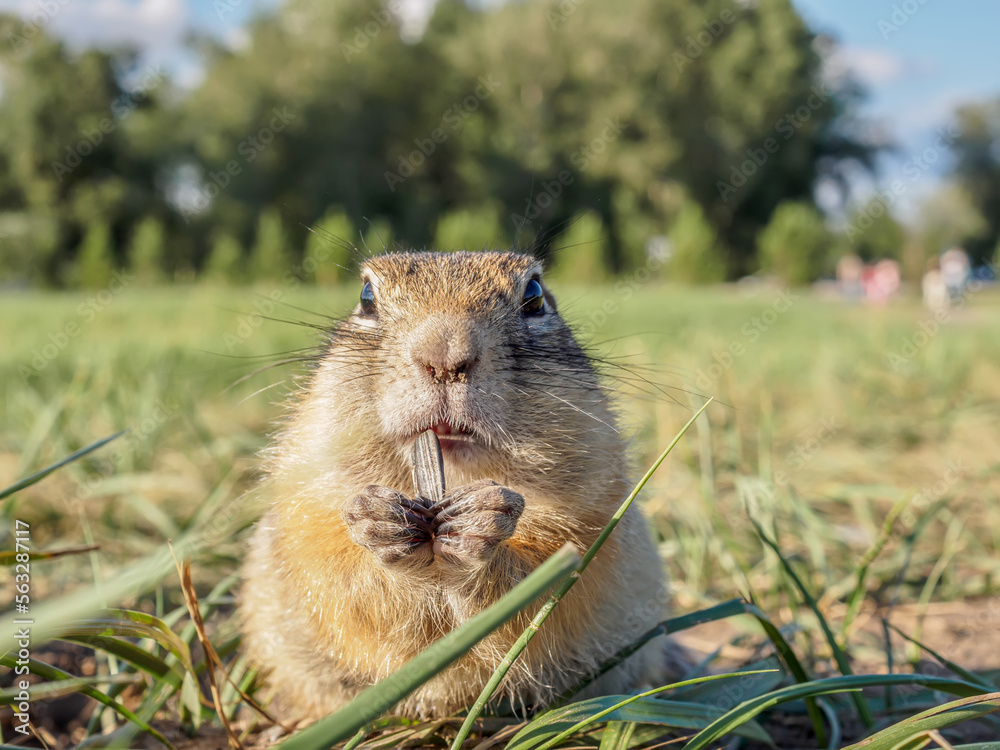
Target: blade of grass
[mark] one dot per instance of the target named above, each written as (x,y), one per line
(522,642)
(40,475)
(838,653)
(212,661)
(125,623)
(433,660)
(840,684)
(961,671)
(673,625)
(155,698)
(945,715)
(857,595)
(54,674)
(794,665)
(131,653)
(55,615)
(833,720)
(617,735)
(533,736)
(9,557)
(59,688)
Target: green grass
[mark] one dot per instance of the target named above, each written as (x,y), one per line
(819,437)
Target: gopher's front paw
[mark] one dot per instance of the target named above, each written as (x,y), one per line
(471,521)
(395,528)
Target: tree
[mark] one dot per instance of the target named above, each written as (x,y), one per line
(795,244)
(951,217)
(874,234)
(475,228)
(721,102)
(977,171)
(225,262)
(145,254)
(328,256)
(580,253)
(70,155)
(696,257)
(95,264)
(269,257)
(377,237)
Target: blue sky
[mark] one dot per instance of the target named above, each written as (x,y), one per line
(917,58)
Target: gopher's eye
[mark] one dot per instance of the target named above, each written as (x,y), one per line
(368,299)
(533,302)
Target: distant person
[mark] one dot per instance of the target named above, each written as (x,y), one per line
(849,270)
(881,282)
(955,271)
(935,293)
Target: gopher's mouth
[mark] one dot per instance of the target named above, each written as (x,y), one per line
(450,436)
(460,441)
(446,431)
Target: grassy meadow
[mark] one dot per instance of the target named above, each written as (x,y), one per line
(863,442)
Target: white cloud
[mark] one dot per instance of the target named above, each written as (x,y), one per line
(871,66)
(156,27)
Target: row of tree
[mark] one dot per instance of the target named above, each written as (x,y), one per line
(691,253)
(598,131)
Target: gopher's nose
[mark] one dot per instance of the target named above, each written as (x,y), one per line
(446,349)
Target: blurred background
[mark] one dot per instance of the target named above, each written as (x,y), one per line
(191,140)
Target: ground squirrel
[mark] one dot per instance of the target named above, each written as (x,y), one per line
(341,590)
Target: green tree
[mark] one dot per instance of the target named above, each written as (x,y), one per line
(874,234)
(269,257)
(225,264)
(696,257)
(95,264)
(795,244)
(580,253)
(328,256)
(474,228)
(70,152)
(145,253)
(377,237)
(977,171)
(951,217)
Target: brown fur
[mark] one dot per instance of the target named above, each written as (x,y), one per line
(327,618)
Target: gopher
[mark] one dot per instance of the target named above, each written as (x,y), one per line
(348,577)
